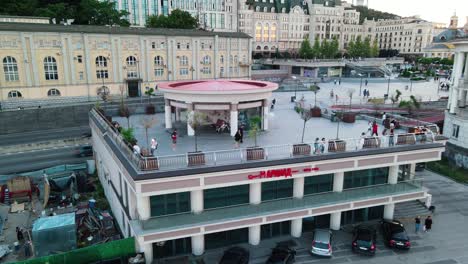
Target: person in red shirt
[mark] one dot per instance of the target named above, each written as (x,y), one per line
(174,138)
(375,129)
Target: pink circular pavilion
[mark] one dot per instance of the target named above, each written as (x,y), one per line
(219,99)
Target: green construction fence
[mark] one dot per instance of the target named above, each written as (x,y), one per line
(95,253)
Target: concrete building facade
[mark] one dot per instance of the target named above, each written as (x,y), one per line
(456,116)
(49,61)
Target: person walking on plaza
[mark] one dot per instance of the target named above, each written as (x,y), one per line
(369,128)
(366,82)
(136,148)
(237,137)
(375,129)
(322,145)
(241,131)
(154,146)
(428,223)
(417,224)
(364,93)
(174,138)
(339,81)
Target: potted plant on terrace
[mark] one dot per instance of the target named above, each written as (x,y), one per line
(302,149)
(150,109)
(255,152)
(337,145)
(350,117)
(315,111)
(195,120)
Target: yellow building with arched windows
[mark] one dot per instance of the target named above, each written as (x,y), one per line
(41,61)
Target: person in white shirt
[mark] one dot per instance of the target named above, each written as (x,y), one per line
(136,149)
(154,146)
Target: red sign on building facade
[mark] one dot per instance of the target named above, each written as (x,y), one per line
(277,173)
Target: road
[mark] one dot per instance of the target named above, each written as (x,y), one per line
(43,135)
(37,160)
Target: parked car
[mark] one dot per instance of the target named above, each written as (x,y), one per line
(235,255)
(395,235)
(364,238)
(321,245)
(282,255)
(84,151)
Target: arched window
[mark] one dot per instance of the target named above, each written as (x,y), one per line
(258,48)
(258,32)
(101,61)
(159,60)
(257,9)
(265,48)
(53,92)
(283,10)
(10,68)
(50,68)
(244,59)
(265,9)
(206,60)
(14,94)
(272,9)
(236,59)
(265,35)
(221,59)
(131,61)
(273,32)
(183,61)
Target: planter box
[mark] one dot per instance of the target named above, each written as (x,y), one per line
(255,154)
(406,139)
(336,146)
(301,149)
(196,158)
(371,142)
(349,117)
(150,109)
(316,112)
(149,164)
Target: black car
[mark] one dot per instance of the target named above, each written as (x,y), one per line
(395,235)
(235,255)
(84,151)
(364,240)
(282,255)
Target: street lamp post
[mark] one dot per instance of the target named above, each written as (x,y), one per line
(388,86)
(411,81)
(293,98)
(360,86)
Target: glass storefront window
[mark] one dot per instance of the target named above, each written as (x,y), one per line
(226,238)
(246,114)
(309,224)
(361,178)
(318,184)
(275,229)
(362,215)
(227,196)
(172,248)
(277,189)
(170,203)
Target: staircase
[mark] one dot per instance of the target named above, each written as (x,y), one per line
(409,210)
(368,69)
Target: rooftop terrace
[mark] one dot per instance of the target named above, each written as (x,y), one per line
(279,142)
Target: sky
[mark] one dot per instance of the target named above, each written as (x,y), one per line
(431,10)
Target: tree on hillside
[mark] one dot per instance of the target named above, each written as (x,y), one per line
(372,14)
(305,51)
(59,12)
(177,19)
(19,8)
(94,12)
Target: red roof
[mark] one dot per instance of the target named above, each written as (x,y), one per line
(218,86)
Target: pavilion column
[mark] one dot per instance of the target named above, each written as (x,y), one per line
(463,98)
(265,112)
(177,114)
(190,131)
(458,69)
(234,119)
(167,114)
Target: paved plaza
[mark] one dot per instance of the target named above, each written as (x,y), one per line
(445,244)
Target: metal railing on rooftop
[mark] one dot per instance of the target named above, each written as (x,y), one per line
(282,205)
(261,153)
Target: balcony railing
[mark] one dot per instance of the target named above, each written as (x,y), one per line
(280,206)
(261,153)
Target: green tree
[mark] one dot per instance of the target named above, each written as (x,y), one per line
(351,48)
(254,128)
(334,48)
(19,8)
(305,52)
(410,105)
(366,48)
(177,19)
(375,49)
(58,11)
(305,115)
(316,48)
(324,49)
(94,12)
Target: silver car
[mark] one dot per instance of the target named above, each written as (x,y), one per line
(321,245)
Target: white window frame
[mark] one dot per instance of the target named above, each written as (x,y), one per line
(10,69)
